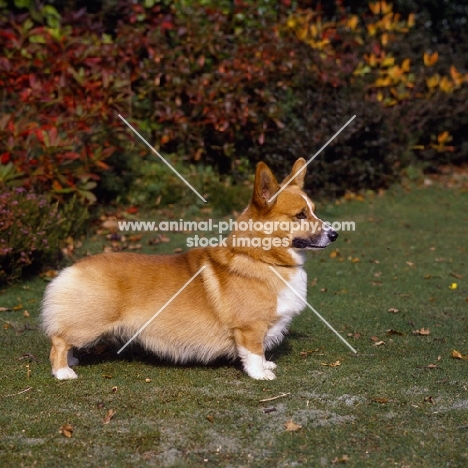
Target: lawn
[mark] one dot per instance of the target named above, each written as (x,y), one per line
(395,288)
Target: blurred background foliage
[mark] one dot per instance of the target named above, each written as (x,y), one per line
(218,86)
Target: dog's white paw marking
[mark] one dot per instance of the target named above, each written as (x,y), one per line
(65,373)
(269,365)
(256,366)
(72,360)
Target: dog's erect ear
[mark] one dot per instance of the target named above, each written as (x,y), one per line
(265,186)
(299,179)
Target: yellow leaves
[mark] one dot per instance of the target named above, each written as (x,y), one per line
(444,137)
(383,82)
(457,77)
(430,59)
(380,7)
(371,29)
(433,81)
(458,355)
(333,364)
(387,62)
(352,22)
(291,426)
(441,147)
(405,65)
(109,415)
(446,85)
(411,20)
(67,430)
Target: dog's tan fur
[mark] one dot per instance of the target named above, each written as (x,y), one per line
(229,309)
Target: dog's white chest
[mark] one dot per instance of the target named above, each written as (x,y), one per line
(291,300)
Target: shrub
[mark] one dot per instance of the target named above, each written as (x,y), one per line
(64,83)
(31,228)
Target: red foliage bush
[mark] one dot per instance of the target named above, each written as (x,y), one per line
(62,88)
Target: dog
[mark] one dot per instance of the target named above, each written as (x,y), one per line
(236,307)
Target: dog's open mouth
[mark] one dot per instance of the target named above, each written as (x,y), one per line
(300,243)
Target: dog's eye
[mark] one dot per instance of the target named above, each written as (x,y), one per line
(301,215)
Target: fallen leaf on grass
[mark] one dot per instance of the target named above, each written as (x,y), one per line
(456,275)
(393,310)
(429,399)
(394,332)
(18,307)
(380,400)
(210,418)
(343,459)
(307,353)
(376,283)
(458,355)
(379,343)
(109,416)
(355,335)
(333,364)
(422,332)
(67,430)
(5,309)
(453,286)
(291,426)
(432,366)
(26,313)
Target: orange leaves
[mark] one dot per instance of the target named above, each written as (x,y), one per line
(430,59)
(381,7)
(458,355)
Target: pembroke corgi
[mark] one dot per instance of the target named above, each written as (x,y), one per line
(235,307)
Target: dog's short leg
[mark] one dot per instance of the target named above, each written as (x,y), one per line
(59,359)
(249,342)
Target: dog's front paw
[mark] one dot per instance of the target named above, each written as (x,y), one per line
(263,374)
(269,365)
(65,373)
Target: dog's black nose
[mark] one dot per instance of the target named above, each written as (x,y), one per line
(332,235)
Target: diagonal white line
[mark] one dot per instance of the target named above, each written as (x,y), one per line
(165,162)
(313,157)
(313,310)
(161,309)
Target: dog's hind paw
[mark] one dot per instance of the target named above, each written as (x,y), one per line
(65,373)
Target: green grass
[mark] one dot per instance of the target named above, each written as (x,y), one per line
(409,246)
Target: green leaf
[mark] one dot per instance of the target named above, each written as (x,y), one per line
(37,39)
(22,3)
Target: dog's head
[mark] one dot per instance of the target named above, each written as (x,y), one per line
(289,206)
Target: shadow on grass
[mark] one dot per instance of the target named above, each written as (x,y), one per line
(107,352)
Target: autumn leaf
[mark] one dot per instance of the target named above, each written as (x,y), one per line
(5,309)
(343,459)
(430,59)
(380,400)
(393,310)
(379,343)
(458,355)
(394,332)
(422,332)
(333,364)
(67,430)
(291,426)
(109,416)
